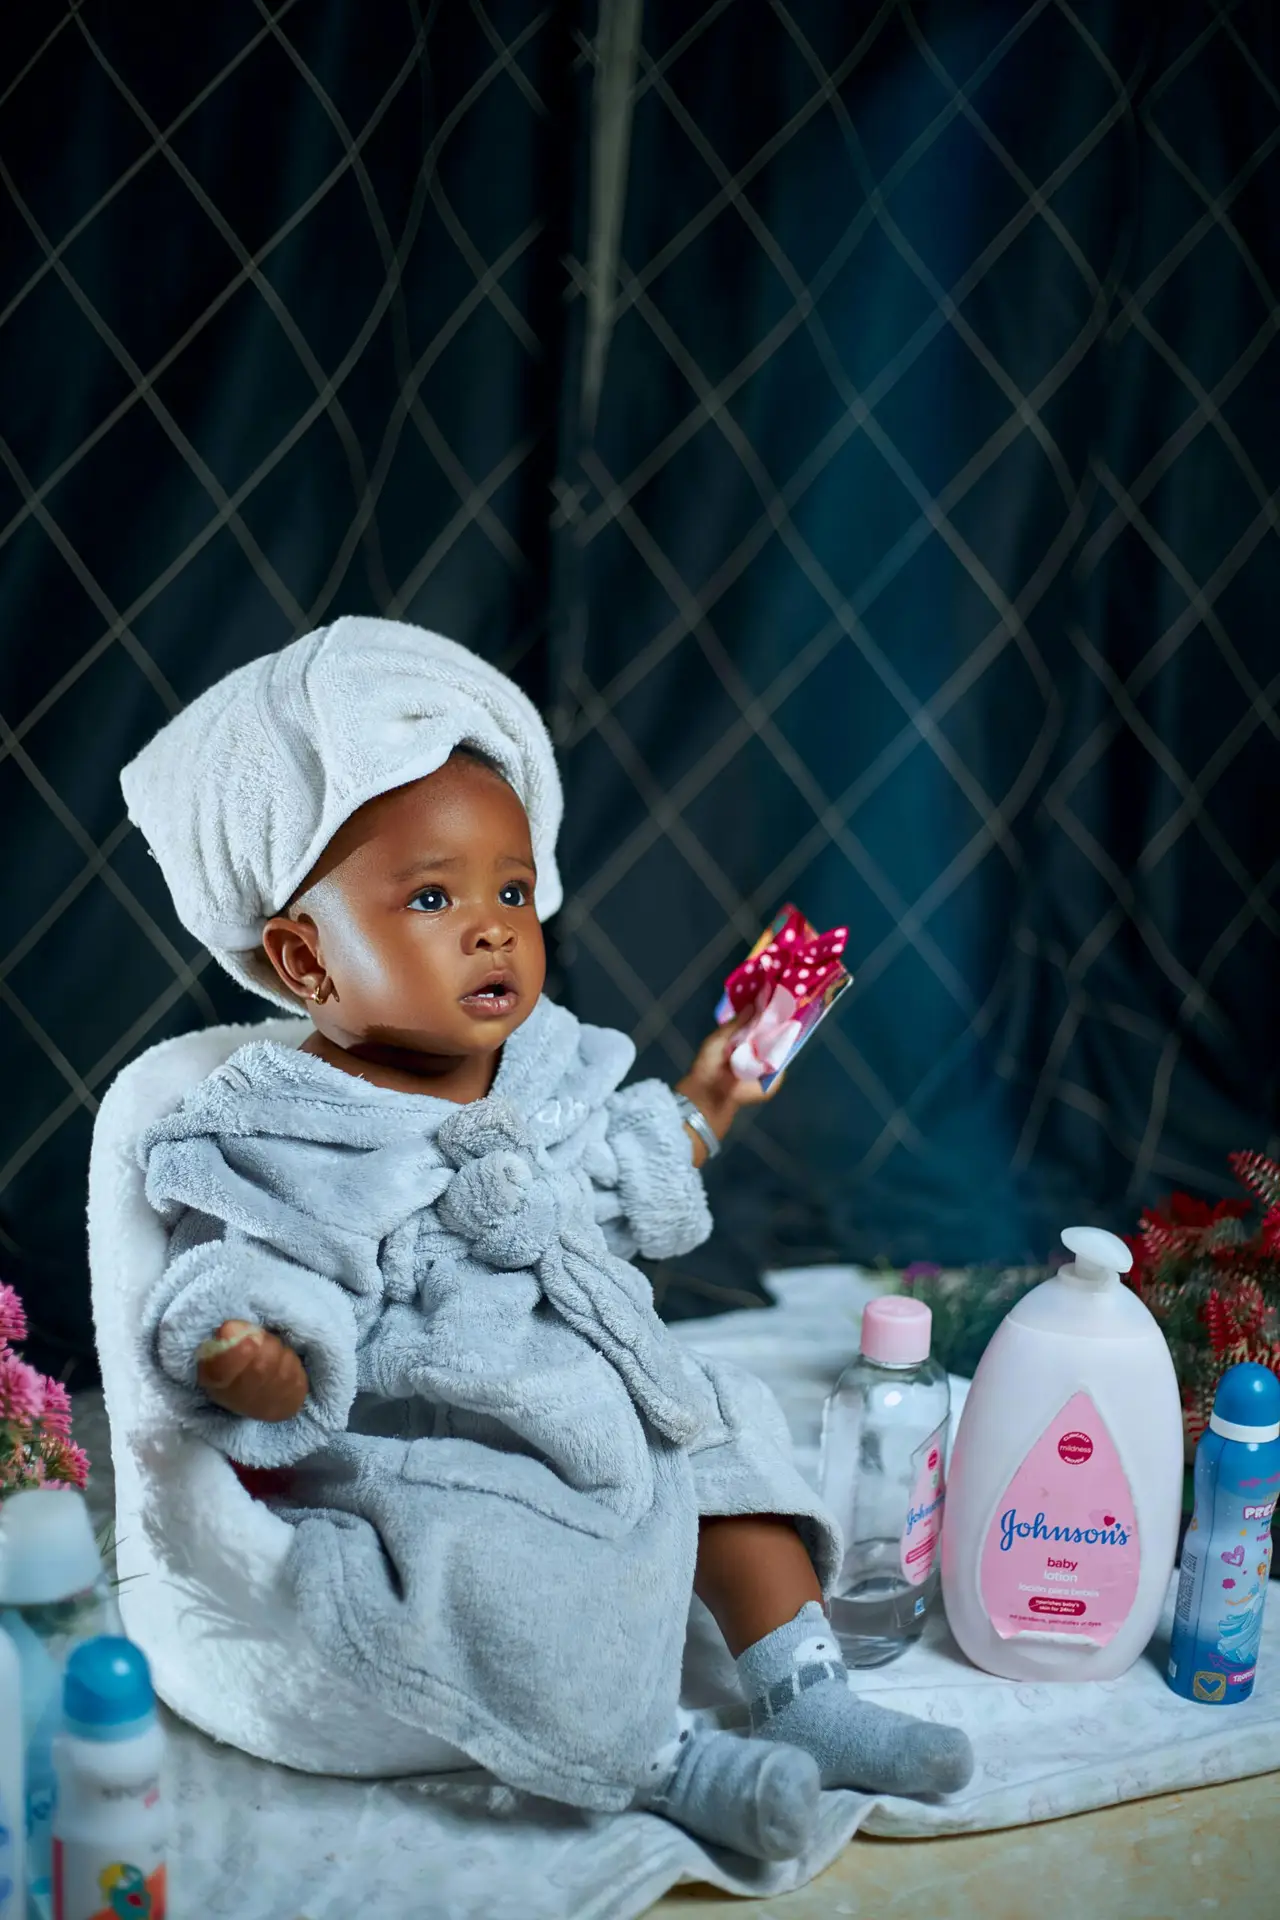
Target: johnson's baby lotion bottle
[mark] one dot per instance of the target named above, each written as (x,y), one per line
(1065,1489)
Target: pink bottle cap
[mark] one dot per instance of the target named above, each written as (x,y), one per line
(896,1331)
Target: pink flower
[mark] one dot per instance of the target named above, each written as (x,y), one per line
(68,1464)
(13,1320)
(36,1448)
(55,1415)
(21,1389)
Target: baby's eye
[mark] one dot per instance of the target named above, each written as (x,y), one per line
(514,894)
(430,900)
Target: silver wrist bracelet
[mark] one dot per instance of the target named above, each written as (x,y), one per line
(696,1120)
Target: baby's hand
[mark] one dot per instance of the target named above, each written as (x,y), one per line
(715,1088)
(251,1372)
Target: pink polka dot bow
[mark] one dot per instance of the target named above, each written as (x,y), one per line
(779,983)
(803,962)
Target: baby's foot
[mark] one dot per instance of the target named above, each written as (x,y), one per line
(798,1687)
(758,1797)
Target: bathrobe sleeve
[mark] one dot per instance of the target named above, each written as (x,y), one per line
(650,1196)
(285,1235)
(214,1276)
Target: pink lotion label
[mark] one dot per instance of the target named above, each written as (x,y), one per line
(921,1534)
(1061,1555)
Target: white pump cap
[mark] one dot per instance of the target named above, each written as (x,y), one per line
(48,1551)
(1085,1300)
(1100,1257)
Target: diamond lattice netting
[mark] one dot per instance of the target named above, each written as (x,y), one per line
(282,293)
(884,508)
(928,535)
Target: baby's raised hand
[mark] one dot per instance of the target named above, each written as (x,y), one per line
(712,1084)
(251,1372)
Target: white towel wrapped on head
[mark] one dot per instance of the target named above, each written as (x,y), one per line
(241,792)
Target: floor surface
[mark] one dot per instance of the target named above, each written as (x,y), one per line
(1183,1855)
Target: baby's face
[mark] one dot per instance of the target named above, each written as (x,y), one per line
(422,908)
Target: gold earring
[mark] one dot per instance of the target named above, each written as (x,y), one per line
(319,993)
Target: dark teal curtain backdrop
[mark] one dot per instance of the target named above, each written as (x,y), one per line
(858,427)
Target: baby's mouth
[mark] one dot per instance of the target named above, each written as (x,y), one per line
(493,998)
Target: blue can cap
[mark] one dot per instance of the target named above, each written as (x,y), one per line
(106,1690)
(1247,1403)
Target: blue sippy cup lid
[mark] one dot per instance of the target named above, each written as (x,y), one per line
(106,1691)
(1247,1404)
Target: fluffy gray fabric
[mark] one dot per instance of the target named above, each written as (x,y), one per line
(496,1533)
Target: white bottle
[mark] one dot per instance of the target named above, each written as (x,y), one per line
(53,1594)
(13,1815)
(109,1825)
(884,1440)
(1065,1488)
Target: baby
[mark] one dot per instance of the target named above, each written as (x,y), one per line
(400,1266)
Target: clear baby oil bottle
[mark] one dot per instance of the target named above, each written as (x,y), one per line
(884,1438)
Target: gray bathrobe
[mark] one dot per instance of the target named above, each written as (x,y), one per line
(496,1479)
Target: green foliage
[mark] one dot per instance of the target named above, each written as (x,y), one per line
(968,1304)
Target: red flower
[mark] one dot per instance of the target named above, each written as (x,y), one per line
(1234,1246)
(1138,1248)
(1197,1404)
(1187,1212)
(1258,1173)
(1248,1305)
(1217,1318)
(1184,1211)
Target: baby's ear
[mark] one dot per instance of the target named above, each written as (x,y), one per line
(293,948)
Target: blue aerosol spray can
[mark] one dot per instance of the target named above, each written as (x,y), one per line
(1226,1558)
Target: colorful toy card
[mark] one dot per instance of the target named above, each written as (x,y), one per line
(792,978)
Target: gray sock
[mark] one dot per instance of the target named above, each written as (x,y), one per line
(757,1797)
(798,1688)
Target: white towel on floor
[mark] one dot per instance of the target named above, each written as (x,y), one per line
(241,792)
